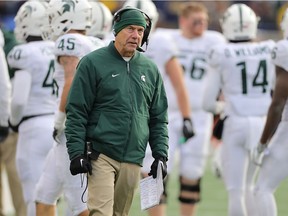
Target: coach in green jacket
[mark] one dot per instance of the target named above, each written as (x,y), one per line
(117,102)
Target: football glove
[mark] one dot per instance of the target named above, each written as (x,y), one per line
(188,130)
(59,125)
(4,131)
(79,165)
(258,153)
(218,128)
(154,167)
(57,134)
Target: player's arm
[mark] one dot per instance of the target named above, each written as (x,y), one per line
(69,64)
(213,86)
(175,73)
(274,114)
(21,90)
(277,105)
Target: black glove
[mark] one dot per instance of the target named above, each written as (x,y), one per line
(154,167)
(4,131)
(80,164)
(56,135)
(218,128)
(188,130)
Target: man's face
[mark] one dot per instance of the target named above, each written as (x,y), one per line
(128,39)
(195,24)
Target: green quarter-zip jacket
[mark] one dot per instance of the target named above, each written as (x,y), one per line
(117,105)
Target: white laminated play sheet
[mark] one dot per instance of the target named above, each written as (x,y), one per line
(151,189)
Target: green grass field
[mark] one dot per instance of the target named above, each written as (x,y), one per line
(214,197)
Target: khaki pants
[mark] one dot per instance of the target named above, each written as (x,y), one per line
(111,187)
(7,160)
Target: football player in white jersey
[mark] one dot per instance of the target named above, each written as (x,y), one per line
(101,23)
(5,89)
(8,140)
(193,41)
(102,18)
(33,100)
(273,169)
(244,72)
(163,51)
(69,21)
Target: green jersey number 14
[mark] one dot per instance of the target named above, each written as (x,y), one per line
(259,80)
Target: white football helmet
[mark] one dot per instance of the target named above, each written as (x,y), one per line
(29,19)
(101,20)
(284,24)
(239,23)
(46,32)
(65,15)
(148,7)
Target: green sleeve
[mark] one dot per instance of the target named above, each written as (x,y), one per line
(79,104)
(158,139)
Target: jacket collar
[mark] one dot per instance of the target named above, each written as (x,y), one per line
(112,48)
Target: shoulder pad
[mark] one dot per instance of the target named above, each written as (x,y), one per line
(18,57)
(279,54)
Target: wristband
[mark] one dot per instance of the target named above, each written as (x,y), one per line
(59,120)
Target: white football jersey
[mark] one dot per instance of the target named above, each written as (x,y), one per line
(193,56)
(280,58)
(72,45)
(247,73)
(5,86)
(161,49)
(97,42)
(37,58)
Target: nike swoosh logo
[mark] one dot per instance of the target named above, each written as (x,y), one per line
(81,162)
(115,75)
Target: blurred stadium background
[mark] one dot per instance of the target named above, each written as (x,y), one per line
(270,12)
